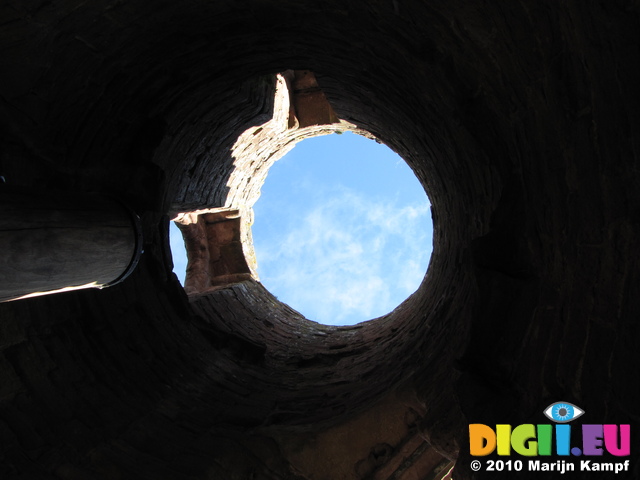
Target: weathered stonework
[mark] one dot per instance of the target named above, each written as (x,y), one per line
(215,250)
(519,118)
(300,110)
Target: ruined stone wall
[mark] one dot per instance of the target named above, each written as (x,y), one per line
(519,118)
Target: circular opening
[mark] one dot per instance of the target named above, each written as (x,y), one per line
(342,230)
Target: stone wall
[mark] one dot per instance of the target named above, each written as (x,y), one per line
(519,118)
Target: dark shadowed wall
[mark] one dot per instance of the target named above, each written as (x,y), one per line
(520,118)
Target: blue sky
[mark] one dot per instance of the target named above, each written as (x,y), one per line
(342,230)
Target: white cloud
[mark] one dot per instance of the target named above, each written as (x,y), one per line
(347,258)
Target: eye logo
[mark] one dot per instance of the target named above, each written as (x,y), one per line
(529,440)
(563,412)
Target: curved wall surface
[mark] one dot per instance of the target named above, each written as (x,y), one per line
(519,118)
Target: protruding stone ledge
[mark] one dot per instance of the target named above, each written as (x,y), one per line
(215,249)
(301,111)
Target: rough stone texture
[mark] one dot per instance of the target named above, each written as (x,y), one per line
(300,110)
(214,251)
(521,120)
(309,103)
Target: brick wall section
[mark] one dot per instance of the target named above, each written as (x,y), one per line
(519,118)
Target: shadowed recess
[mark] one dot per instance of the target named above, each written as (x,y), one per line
(519,119)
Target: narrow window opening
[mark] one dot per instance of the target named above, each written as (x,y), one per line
(178,251)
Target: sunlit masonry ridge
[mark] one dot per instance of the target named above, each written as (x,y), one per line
(339,230)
